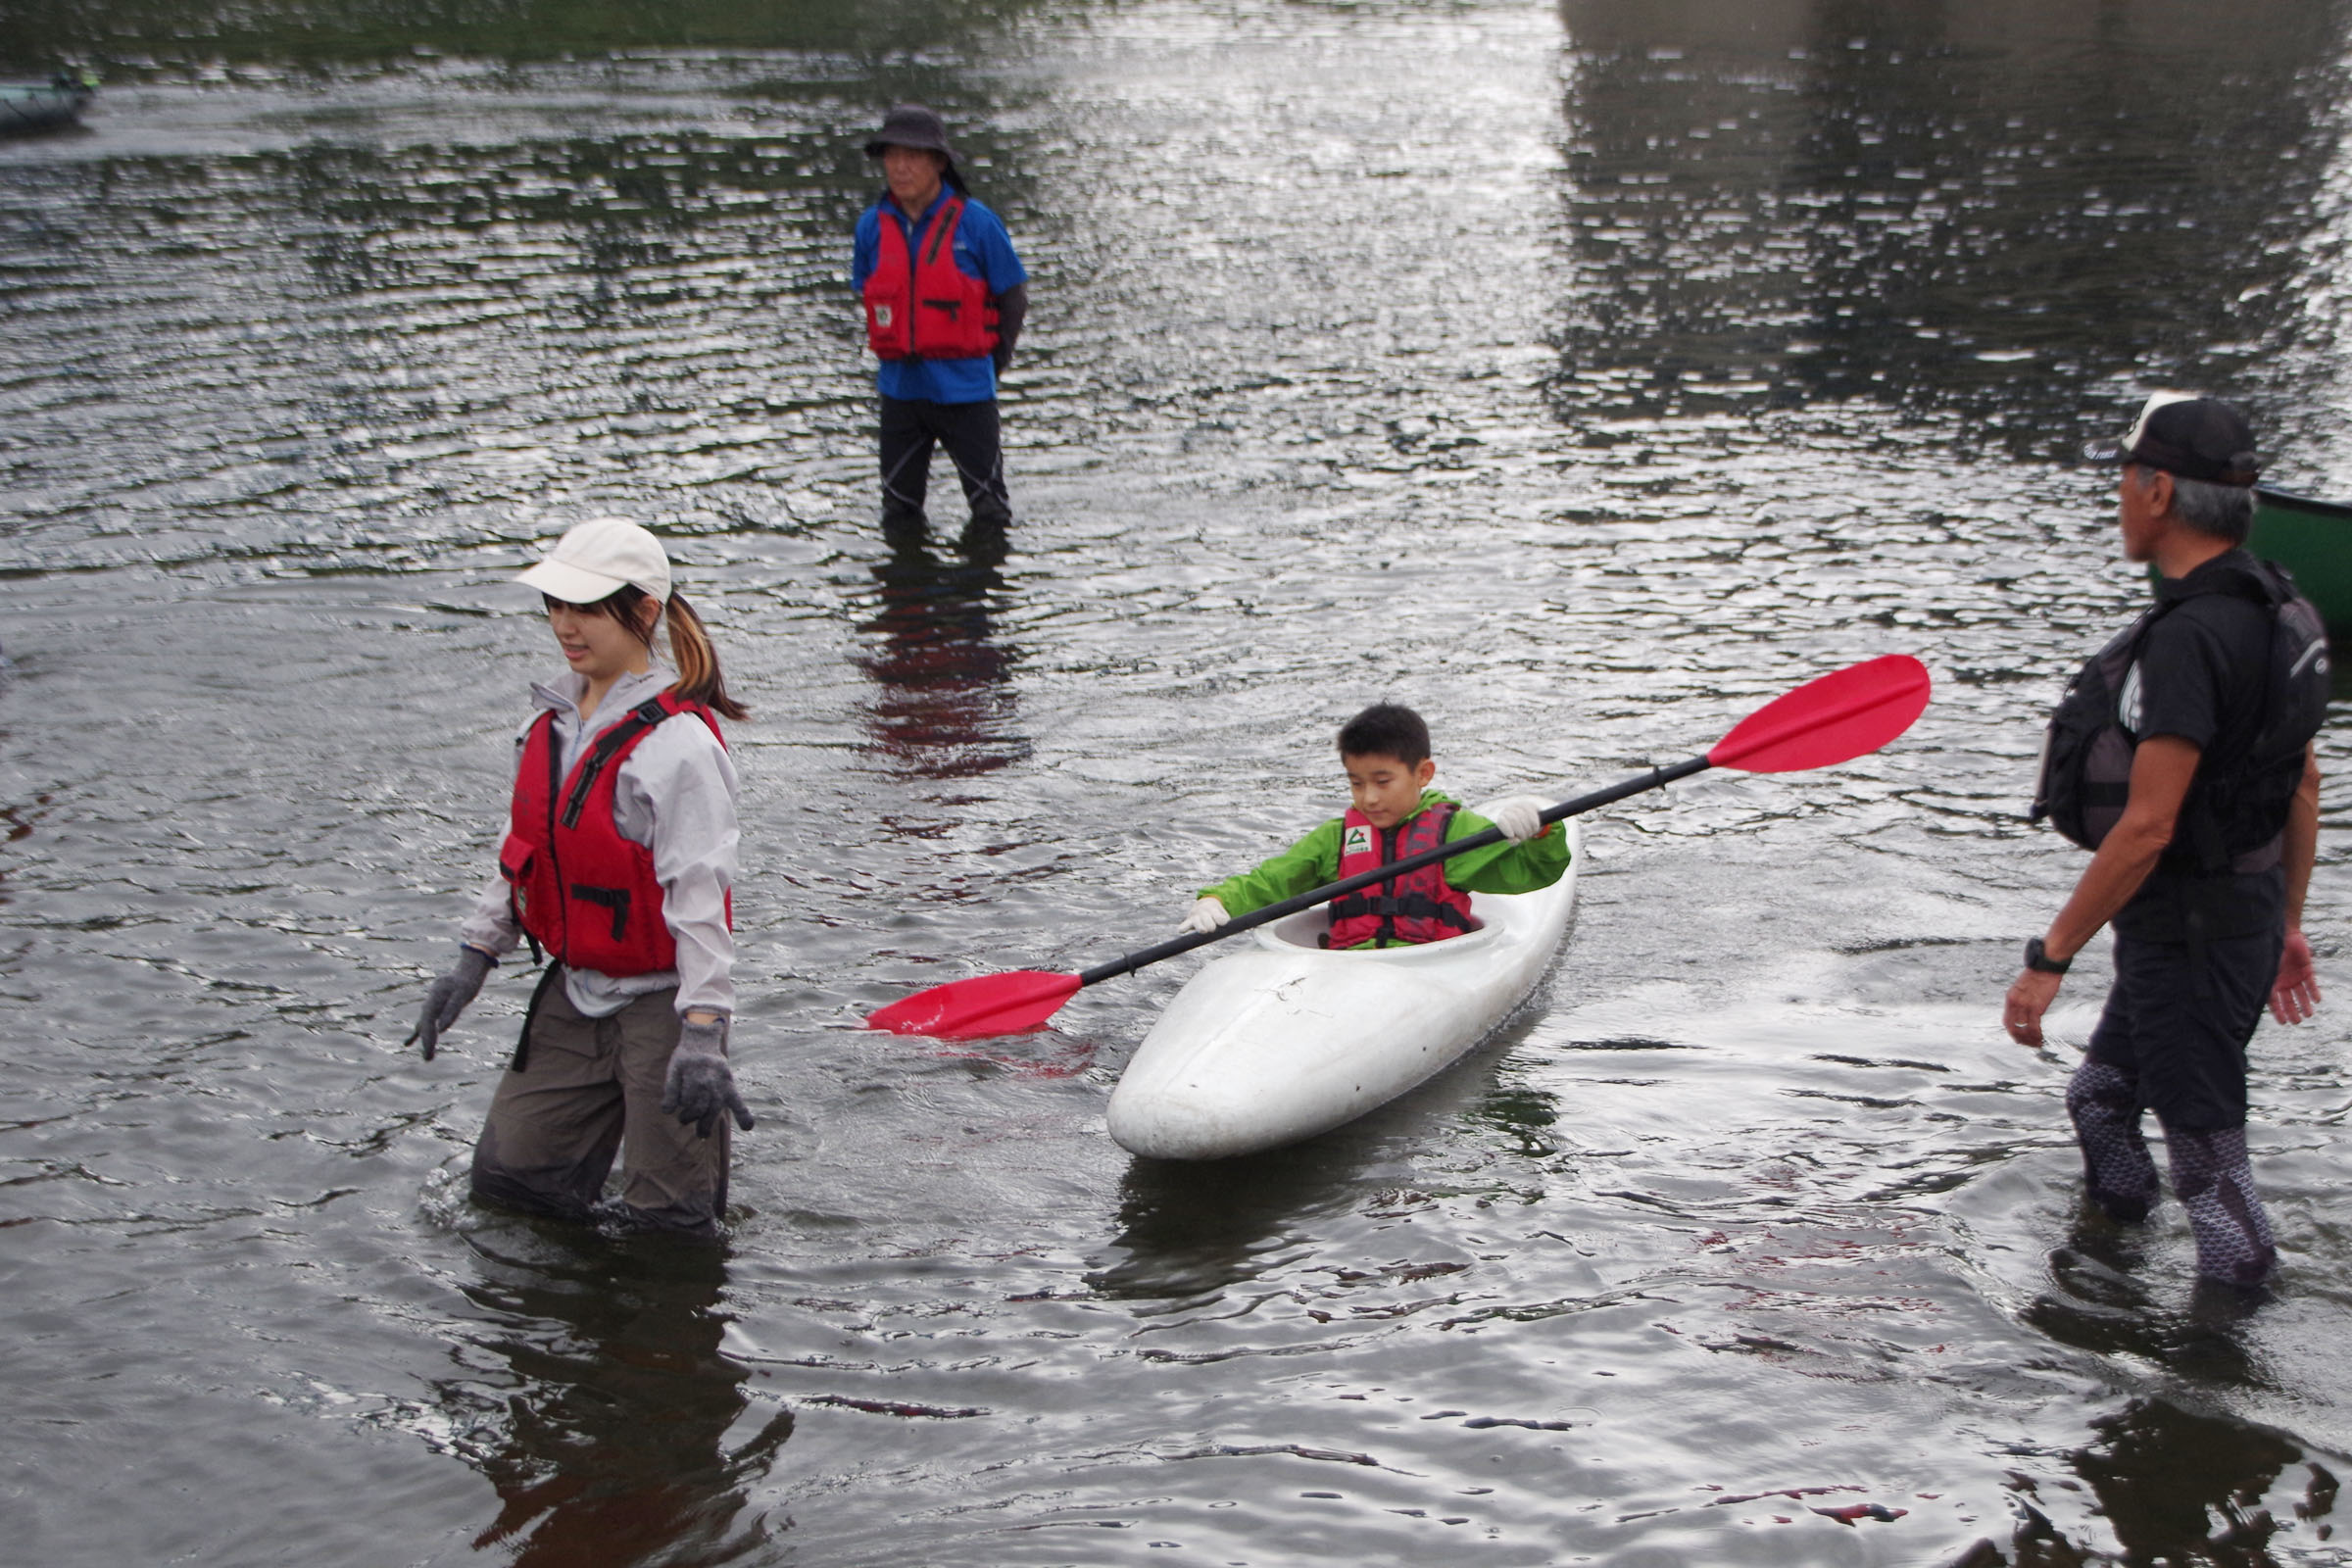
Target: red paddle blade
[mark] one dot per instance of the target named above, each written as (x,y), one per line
(985,1005)
(1836,718)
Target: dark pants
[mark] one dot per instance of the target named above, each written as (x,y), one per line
(589,1089)
(2173,1040)
(2177,1020)
(970,434)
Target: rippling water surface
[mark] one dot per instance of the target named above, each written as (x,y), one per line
(1583,376)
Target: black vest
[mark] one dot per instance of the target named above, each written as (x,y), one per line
(2236,806)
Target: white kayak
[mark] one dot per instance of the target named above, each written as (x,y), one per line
(1284,1039)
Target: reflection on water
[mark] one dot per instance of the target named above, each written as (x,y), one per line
(2103,1299)
(1525,1114)
(324,32)
(1189,1231)
(596,1399)
(1976,207)
(946,703)
(2184,1488)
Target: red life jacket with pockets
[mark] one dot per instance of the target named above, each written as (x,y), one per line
(578,886)
(926,307)
(1417,906)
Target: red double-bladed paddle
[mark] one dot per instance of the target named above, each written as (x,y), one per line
(1836,718)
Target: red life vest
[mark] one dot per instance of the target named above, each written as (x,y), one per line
(581,889)
(1417,906)
(931,308)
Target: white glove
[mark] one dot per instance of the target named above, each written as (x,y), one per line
(1520,816)
(1205,914)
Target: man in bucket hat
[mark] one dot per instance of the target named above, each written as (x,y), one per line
(944,296)
(2181,754)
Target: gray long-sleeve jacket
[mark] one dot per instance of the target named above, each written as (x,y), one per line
(674,794)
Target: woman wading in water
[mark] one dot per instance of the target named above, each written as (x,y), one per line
(618,860)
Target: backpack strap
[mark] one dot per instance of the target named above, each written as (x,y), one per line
(2269,585)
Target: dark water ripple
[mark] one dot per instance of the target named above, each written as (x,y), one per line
(1585,376)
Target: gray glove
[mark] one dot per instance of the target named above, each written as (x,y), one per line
(447,997)
(701,1084)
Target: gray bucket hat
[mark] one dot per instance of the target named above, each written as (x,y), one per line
(910,126)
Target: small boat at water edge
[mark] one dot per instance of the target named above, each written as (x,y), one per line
(2313,539)
(1284,1039)
(26,110)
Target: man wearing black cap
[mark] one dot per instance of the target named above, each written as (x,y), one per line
(2196,721)
(944,296)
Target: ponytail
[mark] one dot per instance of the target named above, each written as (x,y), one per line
(699,679)
(690,649)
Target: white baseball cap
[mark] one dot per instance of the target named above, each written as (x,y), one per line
(596,558)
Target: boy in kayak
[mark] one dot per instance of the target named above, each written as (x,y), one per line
(1395,814)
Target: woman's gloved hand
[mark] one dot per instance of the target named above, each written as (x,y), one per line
(1205,914)
(448,994)
(1520,816)
(701,1084)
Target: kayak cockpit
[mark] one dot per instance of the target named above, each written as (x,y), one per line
(1309,927)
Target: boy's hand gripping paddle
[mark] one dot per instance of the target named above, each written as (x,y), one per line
(1836,718)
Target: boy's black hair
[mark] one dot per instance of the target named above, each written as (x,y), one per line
(1387,729)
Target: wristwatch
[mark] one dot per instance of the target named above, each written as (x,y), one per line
(2038,958)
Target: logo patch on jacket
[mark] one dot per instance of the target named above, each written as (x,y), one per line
(1357,840)
(882,316)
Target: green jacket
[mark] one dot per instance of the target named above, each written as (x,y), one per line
(1314,860)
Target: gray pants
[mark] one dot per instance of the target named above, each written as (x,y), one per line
(589,1089)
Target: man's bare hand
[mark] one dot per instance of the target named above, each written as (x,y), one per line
(2030,997)
(2295,993)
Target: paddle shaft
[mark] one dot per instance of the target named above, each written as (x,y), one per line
(1653,780)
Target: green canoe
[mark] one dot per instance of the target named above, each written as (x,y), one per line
(28,110)
(2313,539)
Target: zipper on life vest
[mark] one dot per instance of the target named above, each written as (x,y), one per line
(943,226)
(555,862)
(644,717)
(1387,889)
(515,890)
(914,250)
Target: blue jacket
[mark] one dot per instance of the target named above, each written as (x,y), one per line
(983,250)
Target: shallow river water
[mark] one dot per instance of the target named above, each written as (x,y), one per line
(1583,374)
